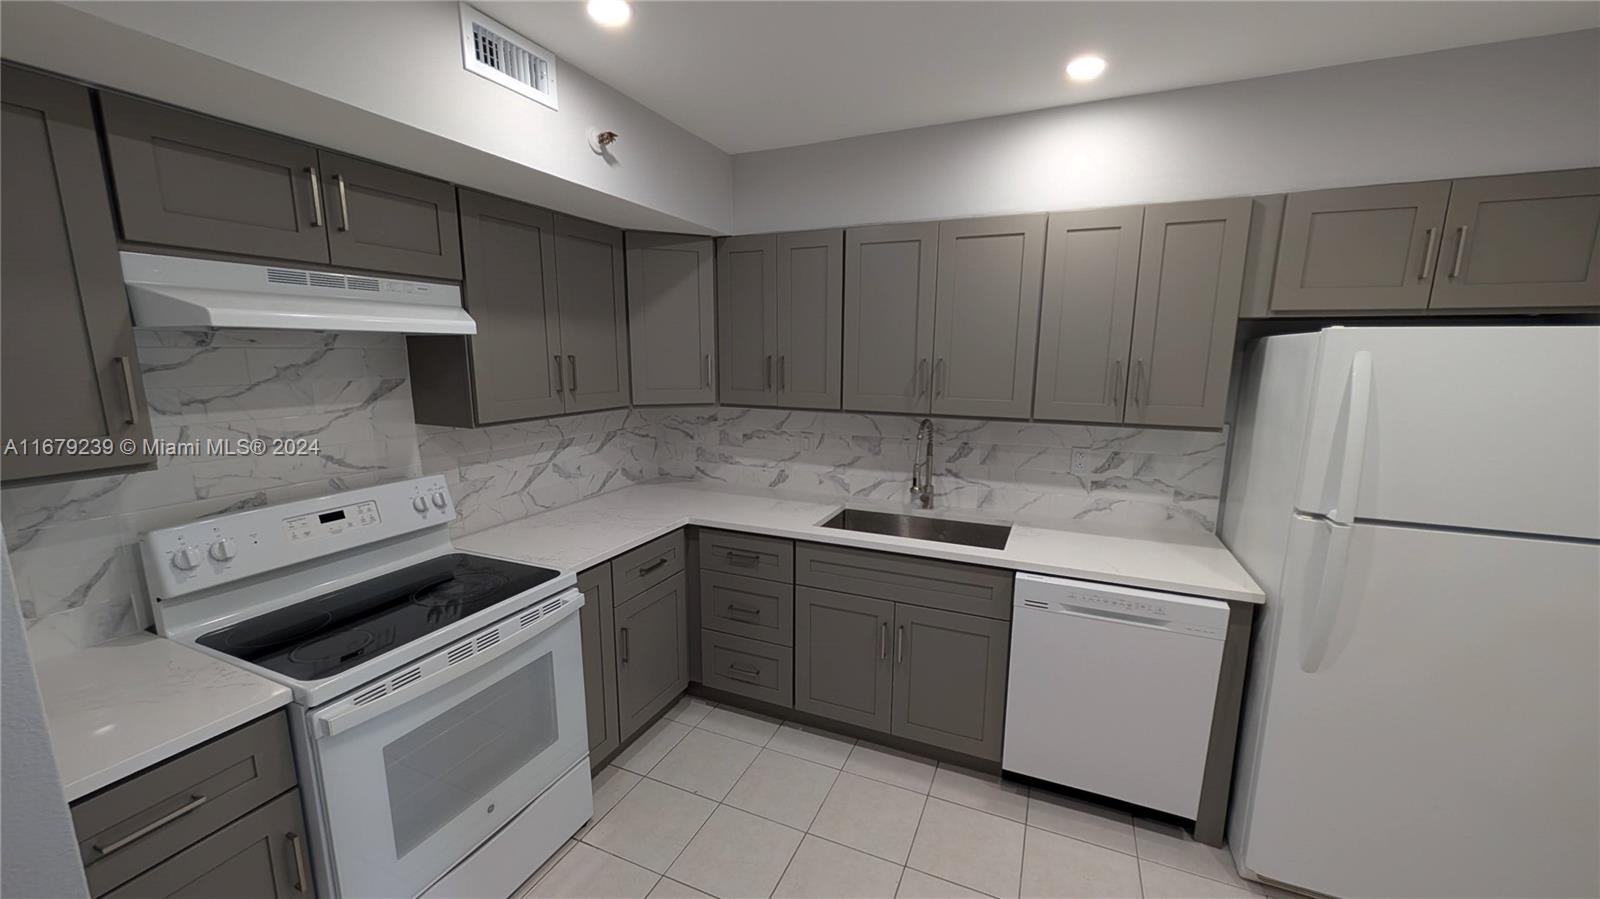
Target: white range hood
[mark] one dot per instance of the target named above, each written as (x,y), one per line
(180,292)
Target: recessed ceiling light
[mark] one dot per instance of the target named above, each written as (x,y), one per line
(610,13)
(1081,68)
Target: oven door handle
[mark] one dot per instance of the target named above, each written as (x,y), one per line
(358,706)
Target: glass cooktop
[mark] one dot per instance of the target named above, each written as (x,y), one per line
(336,631)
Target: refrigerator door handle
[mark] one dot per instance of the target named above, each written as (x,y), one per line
(1327,596)
(1353,448)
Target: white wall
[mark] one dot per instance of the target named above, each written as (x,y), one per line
(1515,106)
(385,80)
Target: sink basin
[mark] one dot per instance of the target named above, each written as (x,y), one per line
(918,527)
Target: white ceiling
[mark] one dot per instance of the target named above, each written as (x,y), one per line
(749,75)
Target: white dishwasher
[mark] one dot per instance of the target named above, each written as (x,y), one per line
(1112,689)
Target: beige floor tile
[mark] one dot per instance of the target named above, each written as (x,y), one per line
(651,824)
(736,855)
(783,788)
(690,710)
(1162,882)
(1168,844)
(739,724)
(824,870)
(652,746)
(705,764)
(969,847)
(542,870)
(587,873)
(916,885)
(984,792)
(667,888)
(891,766)
(1081,820)
(610,785)
(1057,867)
(874,817)
(812,744)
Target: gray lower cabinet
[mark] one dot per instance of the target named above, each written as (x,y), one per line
(592,299)
(747,607)
(810,317)
(388,220)
(652,652)
(1360,248)
(1191,270)
(1521,241)
(747,555)
(68,367)
(950,679)
(889,290)
(747,318)
(986,321)
(842,666)
(1091,273)
(260,856)
(599,662)
(747,667)
(671,310)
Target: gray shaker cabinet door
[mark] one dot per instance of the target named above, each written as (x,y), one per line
(592,297)
(671,318)
(511,292)
(260,856)
(1191,268)
(69,364)
(747,319)
(599,661)
(1521,241)
(652,652)
(889,288)
(842,667)
(1359,248)
(950,679)
(186,180)
(810,318)
(987,320)
(388,220)
(1091,271)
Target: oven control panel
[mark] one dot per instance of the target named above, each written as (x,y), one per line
(332,522)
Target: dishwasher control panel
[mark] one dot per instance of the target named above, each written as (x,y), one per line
(1151,608)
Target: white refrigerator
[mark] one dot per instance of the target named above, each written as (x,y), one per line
(1422,506)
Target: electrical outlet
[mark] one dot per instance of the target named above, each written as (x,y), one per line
(1086,462)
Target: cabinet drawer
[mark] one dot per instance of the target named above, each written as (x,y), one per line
(747,667)
(919,582)
(639,569)
(127,828)
(763,557)
(263,854)
(747,606)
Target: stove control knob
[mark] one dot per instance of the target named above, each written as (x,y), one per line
(186,559)
(420,503)
(222,550)
(438,499)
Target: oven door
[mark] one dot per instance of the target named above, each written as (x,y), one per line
(413,781)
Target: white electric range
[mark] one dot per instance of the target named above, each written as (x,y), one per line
(438,714)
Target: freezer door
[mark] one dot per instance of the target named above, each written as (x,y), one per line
(1494,428)
(1444,740)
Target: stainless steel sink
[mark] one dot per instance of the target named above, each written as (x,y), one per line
(918,527)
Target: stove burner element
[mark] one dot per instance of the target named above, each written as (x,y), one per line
(332,648)
(453,589)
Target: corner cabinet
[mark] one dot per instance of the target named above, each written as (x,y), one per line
(68,366)
(652,642)
(671,318)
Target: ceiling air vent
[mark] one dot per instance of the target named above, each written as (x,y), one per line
(505,57)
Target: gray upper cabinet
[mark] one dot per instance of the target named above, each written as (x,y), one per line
(950,679)
(599,662)
(987,321)
(186,180)
(388,220)
(1360,248)
(810,315)
(889,290)
(842,667)
(1091,273)
(1521,241)
(652,652)
(1191,268)
(747,316)
(671,309)
(68,367)
(592,298)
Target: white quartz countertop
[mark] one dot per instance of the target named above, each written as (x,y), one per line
(118,708)
(585,534)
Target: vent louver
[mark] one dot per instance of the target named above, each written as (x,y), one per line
(459,653)
(487,640)
(285,276)
(405,678)
(377,692)
(505,57)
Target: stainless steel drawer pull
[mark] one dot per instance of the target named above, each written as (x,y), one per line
(743,557)
(624,635)
(743,610)
(646,569)
(1461,251)
(127,389)
(344,203)
(316,197)
(746,670)
(195,801)
(302,877)
(1427,255)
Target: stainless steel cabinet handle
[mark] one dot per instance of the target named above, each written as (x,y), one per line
(127,389)
(744,610)
(941,377)
(883,641)
(1427,255)
(316,197)
(344,203)
(736,556)
(705,370)
(1144,380)
(1116,383)
(572,365)
(748,672)
(560,385)
(1461,251)
(195,801)
(1138,376)
(623,635)
(767,383)
(922,378)
(302,877)
(899,645)
(646,569)
(780,372)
